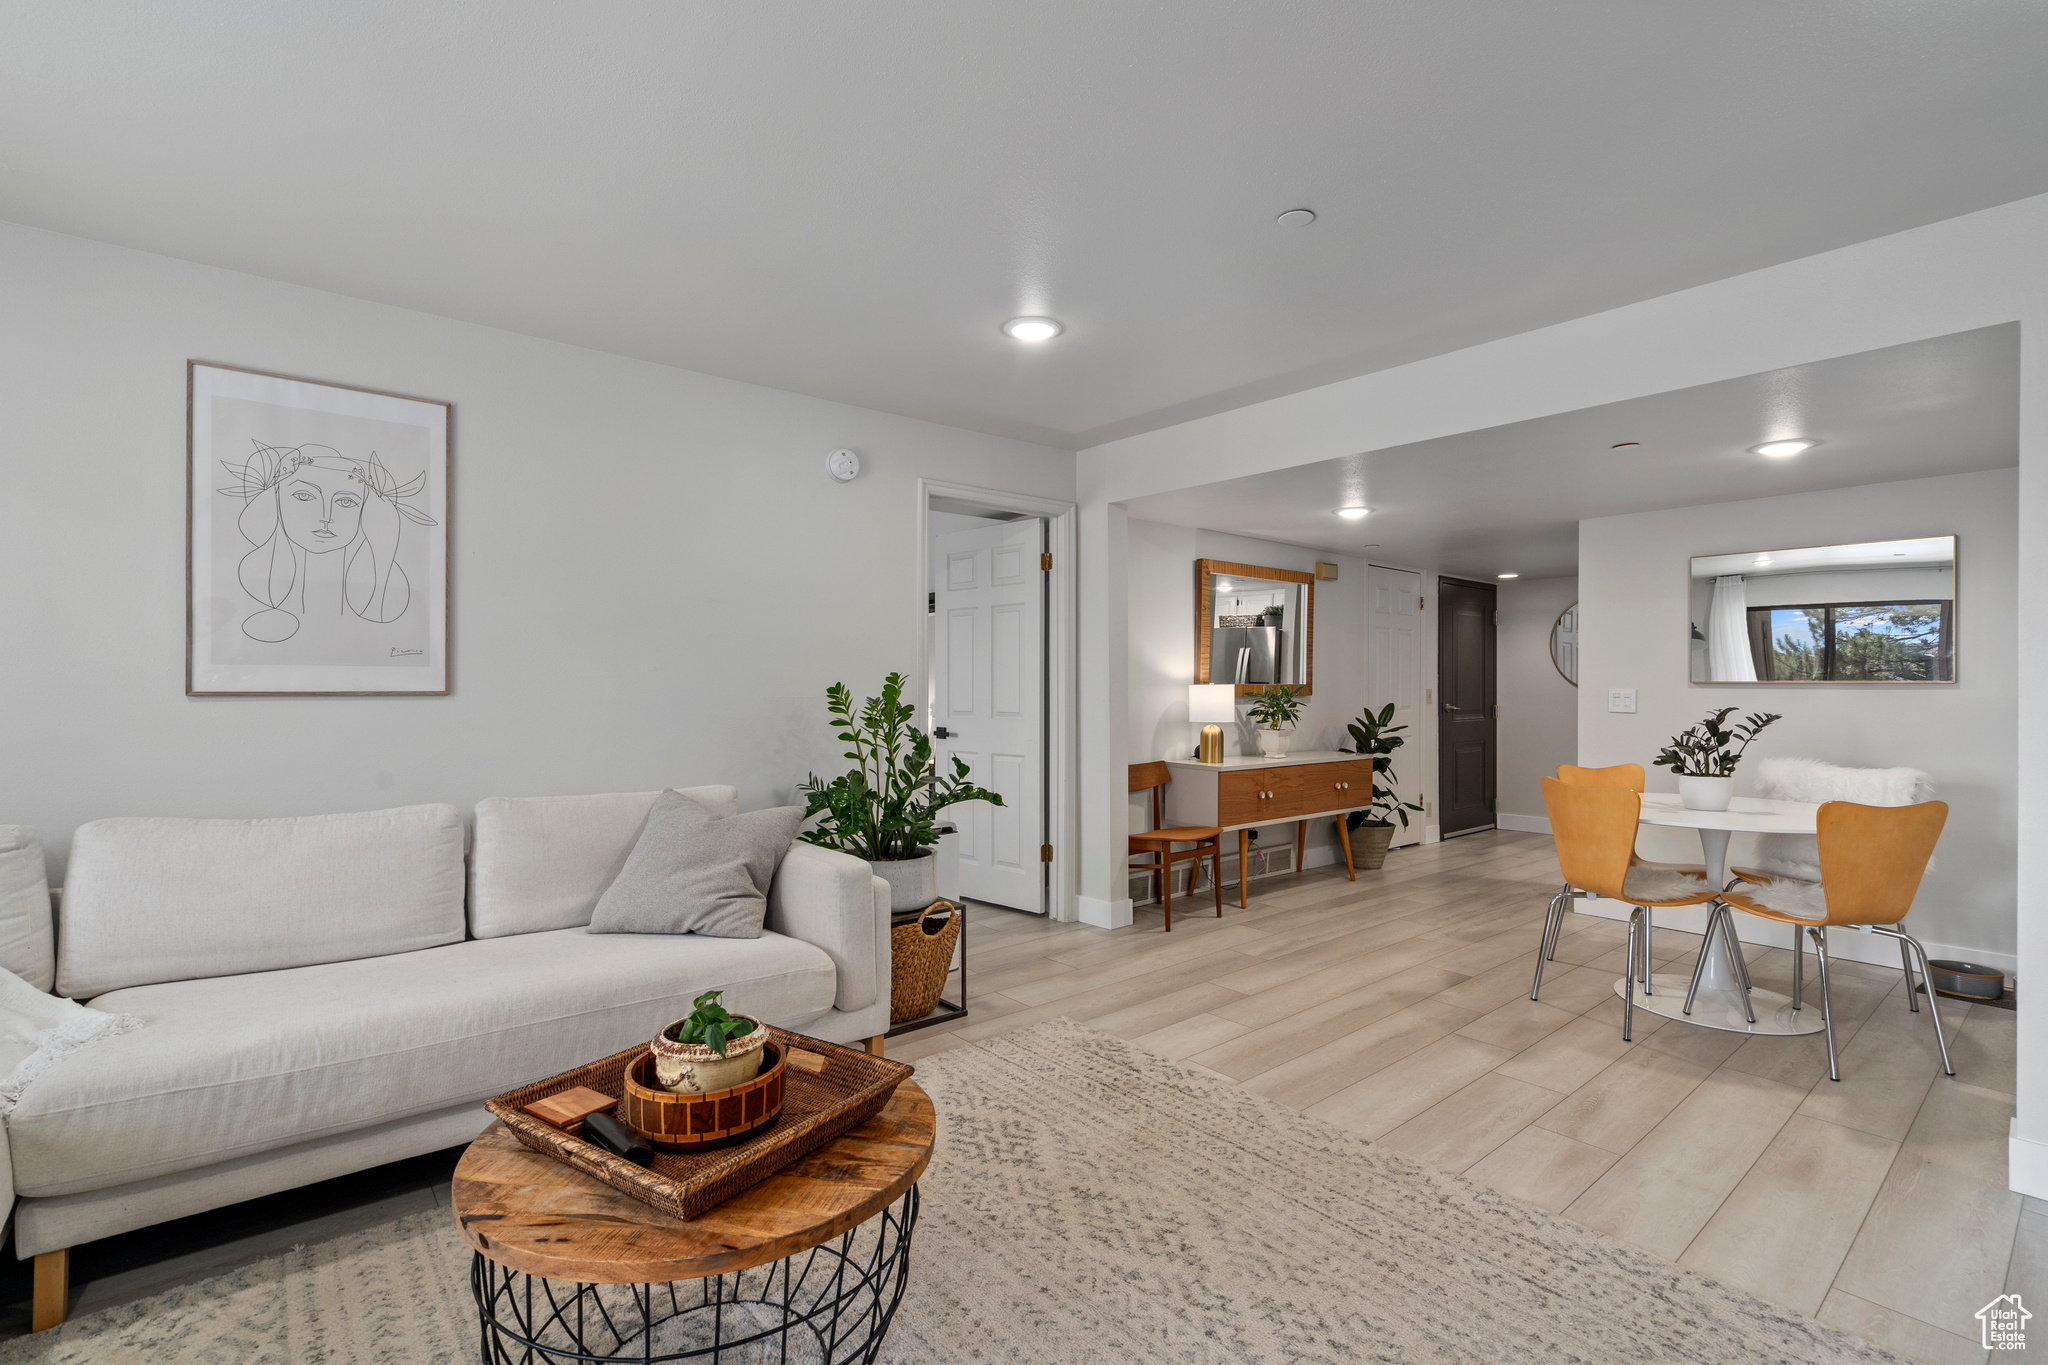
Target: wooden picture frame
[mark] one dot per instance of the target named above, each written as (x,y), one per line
(316,538)
(1206,571)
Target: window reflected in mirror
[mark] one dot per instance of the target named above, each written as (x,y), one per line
(1875,612)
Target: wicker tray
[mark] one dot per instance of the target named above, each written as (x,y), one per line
(816,1108)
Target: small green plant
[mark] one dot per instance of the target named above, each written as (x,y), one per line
(712,1026)
(1710,750)
(1278,706)
(1374,736)
(888,807)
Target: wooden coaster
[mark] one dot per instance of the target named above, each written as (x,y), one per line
(568,1109)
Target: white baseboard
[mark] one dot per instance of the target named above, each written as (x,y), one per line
(1528,824)
(1104,914)
(2026,1164)
(1845,943)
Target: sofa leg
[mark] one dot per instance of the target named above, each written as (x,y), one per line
(874,1044)
(53,1289)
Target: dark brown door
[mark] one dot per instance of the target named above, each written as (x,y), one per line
(1467,700)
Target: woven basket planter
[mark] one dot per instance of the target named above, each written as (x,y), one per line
(1369,846)
(920,955)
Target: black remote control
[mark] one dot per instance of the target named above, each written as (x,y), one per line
(616,1138)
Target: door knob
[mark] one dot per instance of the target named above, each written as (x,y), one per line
(941,732)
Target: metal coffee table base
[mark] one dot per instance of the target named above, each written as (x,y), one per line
(826,1306)
(1721,1008)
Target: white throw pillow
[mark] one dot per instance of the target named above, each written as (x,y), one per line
(28,944)
(1810,780)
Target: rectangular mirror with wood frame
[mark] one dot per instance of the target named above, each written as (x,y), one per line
(1254,626)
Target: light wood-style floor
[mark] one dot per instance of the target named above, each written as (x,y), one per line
(1399,1008)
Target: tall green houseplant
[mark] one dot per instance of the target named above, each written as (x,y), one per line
(886,808)
(1376,736)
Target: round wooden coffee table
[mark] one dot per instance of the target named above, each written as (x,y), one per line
(814,1258)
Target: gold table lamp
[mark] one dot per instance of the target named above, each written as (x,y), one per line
(1209,704)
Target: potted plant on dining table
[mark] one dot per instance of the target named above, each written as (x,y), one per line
(1371,832)
(1704,756)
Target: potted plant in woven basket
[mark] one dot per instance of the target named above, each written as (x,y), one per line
(711,1050)
(1704,757)
(1371,832)
(886,809)
(1277,710)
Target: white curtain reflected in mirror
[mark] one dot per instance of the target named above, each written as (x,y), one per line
(1564,644)
(1874,612)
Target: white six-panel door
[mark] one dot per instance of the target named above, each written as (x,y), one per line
(989,696)
(1393,664)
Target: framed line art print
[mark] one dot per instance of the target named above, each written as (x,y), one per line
(316,548)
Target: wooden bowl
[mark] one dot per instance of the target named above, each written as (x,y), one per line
(682,1122)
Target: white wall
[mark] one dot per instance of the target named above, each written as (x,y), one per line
(1539,710)
(598,504)
(1162,648)
(1633,633)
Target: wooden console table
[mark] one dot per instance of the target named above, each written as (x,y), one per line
(1243,793)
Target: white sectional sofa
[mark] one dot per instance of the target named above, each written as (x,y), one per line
(328,993)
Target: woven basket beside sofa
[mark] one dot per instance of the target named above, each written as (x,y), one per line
(920,957)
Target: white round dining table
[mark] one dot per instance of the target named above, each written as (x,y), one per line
(1718,1004)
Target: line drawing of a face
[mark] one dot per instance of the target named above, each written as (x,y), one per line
(296,502)
(322,508)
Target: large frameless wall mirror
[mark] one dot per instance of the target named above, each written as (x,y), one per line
(1254,626)
(1878,612)
(1564,644)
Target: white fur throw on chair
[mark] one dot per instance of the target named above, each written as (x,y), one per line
(1809,779)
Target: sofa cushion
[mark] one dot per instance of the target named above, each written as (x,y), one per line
(244,1064)
(28,944)
(541,862)
(692,872)
(156,899)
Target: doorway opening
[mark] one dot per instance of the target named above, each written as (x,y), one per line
(987,623)
(1468,703)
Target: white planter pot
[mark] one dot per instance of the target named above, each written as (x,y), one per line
(913,882)
(1706,793)
(1273,743)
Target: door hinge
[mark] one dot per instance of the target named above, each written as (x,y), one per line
(931,604)
(1045,562)
(1045,853)
(1422,604)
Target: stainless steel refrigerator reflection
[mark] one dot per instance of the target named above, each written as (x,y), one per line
(1246,654)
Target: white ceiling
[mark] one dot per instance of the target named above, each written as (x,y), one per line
(847,199)
(1509,499)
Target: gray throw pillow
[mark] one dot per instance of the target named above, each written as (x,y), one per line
(691,872)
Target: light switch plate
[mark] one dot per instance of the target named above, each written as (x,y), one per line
(1622,700)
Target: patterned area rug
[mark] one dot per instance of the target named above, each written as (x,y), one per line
(1089,1202)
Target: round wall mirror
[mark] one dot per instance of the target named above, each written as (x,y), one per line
(1564,644)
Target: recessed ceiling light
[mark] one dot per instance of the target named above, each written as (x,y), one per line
(1781,450)
(1352,513)
(1507,575)
(1624,445)
(1762,561)
(1033,329)
(1297,217)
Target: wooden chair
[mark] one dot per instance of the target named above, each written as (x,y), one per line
(1595,829)
(1159,843)
(1871,862)
(1623,777)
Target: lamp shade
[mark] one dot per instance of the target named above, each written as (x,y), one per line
(1212,703)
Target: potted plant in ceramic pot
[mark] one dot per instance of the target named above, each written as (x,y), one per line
(1276,711)
(886,809)
(712,1049)
(1371,832)
(1704,756)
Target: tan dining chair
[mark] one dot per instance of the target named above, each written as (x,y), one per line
(1871,861)
(1595,830)
(1159,843)
(1623,777)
